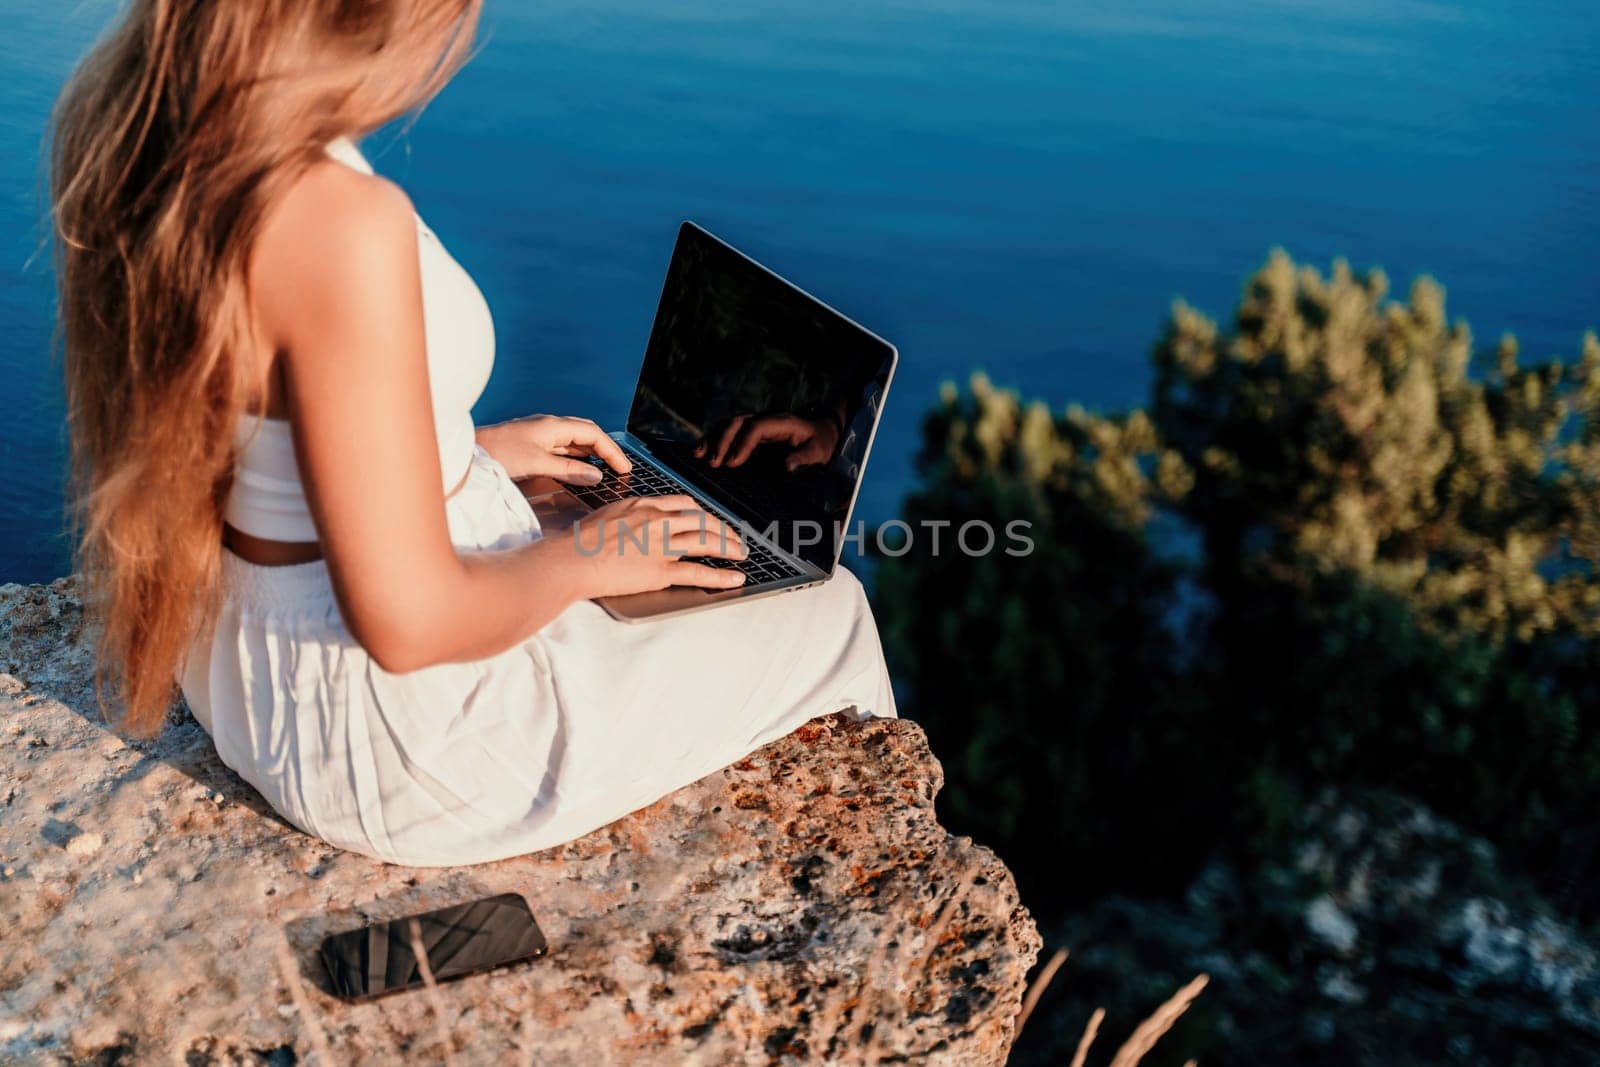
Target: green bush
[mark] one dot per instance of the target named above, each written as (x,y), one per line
(1331,550)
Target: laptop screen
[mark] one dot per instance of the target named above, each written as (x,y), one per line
(761,394)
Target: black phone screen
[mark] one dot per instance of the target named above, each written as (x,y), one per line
(456,941)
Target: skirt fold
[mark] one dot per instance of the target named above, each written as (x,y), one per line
(580,724)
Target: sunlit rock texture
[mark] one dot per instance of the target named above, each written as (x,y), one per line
(803,904)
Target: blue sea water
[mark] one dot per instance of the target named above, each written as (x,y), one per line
(1018,185)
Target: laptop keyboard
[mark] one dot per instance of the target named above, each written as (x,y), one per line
(761,566)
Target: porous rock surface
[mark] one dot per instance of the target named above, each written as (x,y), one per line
(803,905)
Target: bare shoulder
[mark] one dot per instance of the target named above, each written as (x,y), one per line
(333,234)
(330,201)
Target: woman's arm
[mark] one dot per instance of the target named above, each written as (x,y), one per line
(338,295)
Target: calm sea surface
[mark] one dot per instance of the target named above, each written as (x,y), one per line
(1013,185)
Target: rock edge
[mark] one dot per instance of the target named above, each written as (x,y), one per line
(802,904)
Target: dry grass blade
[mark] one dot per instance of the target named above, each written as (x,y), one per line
(1090,1032)
(1030,1000)
(1149,1032)
(868,1001)
(829,1021)
(933,939)
(418,949)
(935,935)
(829,1026)
(302,1003)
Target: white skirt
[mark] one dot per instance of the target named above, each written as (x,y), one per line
(574,727)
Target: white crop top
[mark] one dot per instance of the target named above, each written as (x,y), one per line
(267,499)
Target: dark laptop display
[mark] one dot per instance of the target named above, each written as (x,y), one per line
(745,367)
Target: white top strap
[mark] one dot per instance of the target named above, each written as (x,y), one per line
(345,151)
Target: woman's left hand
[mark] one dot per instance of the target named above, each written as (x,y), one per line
(553,447)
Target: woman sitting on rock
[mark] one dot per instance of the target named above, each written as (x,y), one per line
(284,504)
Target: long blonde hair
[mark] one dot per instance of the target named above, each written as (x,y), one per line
(169,144)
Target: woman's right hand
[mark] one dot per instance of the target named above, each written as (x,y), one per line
(641,544)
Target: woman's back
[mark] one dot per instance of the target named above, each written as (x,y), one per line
(267,499)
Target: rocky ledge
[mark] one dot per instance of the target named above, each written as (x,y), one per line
(804,904)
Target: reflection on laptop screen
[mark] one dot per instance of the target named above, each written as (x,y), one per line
(761,393)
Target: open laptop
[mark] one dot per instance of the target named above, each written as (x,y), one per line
(789,391)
